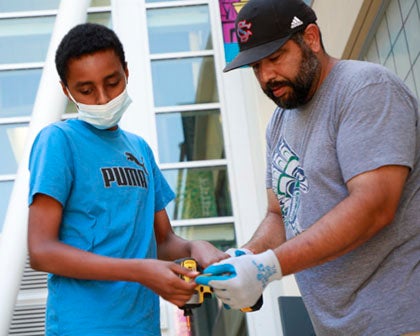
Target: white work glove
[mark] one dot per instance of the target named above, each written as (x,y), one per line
(236,252)
(240,281)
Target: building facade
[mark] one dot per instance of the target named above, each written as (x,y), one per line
(207,128)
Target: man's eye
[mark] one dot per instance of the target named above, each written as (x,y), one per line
(85,92)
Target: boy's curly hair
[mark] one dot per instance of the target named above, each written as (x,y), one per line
(83,39)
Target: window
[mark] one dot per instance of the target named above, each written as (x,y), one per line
(190,141)
(396,42)
(188,119)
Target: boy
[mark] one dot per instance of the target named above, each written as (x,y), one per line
(97,219)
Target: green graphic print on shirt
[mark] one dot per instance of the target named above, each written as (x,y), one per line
(289,181)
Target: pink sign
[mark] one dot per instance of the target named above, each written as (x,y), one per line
(229,9)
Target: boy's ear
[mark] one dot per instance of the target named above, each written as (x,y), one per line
(126,71)
(64,88)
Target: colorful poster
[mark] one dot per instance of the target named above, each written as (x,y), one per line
(229,9)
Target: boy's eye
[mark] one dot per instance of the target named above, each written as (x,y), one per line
(85,92)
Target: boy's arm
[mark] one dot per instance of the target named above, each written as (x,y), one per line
(172,247)
(47,253)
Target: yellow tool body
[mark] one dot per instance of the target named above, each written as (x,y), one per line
(200,291)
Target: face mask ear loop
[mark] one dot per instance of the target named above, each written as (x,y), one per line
(71,97)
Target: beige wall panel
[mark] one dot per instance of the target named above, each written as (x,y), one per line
(337,18)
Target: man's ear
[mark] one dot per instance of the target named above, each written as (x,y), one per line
(312,37)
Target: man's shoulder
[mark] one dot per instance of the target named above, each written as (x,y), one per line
(352,76)
(360,71)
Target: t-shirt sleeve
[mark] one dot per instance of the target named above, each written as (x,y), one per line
(163,192)
(377,128)
(272,135)
(50,165)
(268,173)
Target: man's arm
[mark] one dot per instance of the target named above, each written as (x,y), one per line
(271,232)
(371,205)
(48,254)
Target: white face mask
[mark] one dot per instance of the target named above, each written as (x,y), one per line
(103,116)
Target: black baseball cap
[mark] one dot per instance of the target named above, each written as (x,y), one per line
(263,26)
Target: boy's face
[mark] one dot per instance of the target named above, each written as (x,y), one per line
(95,79)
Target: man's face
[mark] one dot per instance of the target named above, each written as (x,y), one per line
(288,76)
(97,78)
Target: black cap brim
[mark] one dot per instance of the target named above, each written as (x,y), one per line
(255,54)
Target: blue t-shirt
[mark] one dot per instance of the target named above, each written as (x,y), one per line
(110,187)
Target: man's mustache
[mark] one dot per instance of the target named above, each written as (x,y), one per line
(273,85)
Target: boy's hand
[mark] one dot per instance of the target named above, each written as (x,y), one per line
(163,278)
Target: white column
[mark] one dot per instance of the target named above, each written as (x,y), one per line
(49,105)
(129,23)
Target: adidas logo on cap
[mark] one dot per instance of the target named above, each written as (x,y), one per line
(296,22)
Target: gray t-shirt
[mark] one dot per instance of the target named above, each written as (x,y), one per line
(362,117)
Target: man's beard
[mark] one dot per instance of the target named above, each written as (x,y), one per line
(309,71)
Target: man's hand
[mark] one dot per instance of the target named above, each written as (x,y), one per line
(239,282)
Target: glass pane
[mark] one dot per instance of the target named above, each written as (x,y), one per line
(70,107)
(184,81)
(189,136)
(28,5)
(412,31)
(18,90)
(179,29)
(101,18)
(5,191)
(12,142)
(100,3)
(220,235)
(402,60)
(394,20)
(25,39)
(31,5)
(416,72)
(200,192)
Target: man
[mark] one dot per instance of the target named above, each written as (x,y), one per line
(342,181)
(97,219)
